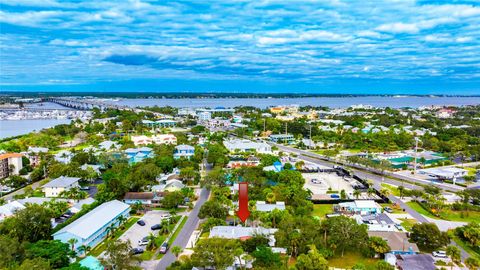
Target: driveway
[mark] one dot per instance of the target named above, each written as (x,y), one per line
(135,233)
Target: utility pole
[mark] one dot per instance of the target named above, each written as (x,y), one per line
(264,125)
(286,132)
(310,137)
(415,157)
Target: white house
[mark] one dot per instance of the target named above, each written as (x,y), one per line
(108,145)
(78,206)
(93,227)
(63,156)
(183,150)
(234,232)
(9,209)
(164,139)
(262,206)
(242,145)
(60,184)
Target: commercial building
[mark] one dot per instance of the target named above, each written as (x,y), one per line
(243,145)
(445,173)
(59,185)
(10,164)
(164,123)
(282,138)
(92,228)
(184,151)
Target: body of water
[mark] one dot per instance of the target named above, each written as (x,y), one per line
(19,127)
(333,102)
(10,128)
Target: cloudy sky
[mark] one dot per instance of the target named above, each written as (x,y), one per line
(336,46)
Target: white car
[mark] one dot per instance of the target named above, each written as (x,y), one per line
(439,254)
(165,216)
(143,242)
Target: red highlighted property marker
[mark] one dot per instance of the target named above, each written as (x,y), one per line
(243,212)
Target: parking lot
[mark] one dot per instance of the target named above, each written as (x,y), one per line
(323,181)
(137,232)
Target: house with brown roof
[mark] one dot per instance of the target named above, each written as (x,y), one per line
(397,241)
(149,199)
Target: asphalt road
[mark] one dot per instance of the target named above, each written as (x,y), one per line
(186,232)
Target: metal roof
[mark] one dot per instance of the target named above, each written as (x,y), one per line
(62,181)
(88,224)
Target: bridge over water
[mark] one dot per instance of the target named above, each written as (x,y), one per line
(84,104)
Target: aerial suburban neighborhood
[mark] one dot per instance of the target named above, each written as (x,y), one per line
(361,187)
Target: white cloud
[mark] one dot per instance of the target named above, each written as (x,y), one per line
(397,28)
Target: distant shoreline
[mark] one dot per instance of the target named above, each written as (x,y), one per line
(200,95)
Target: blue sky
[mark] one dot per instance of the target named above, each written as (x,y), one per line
(338,46)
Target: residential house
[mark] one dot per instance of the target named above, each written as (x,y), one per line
(135,155)
(108,145)
(91,228)
(397,241)
(262,206)
(63,156)
(59,185)
(150,199)
(415,262)
(9,209)
(183,151)
(168,186)
(204,116)
(164,139)
(242,233)
(361,207)
(243,145)
(10,164)
(77,207)
(34,154)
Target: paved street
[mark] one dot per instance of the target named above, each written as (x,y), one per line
(187,230)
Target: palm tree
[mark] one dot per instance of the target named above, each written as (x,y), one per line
(152,243)
(454,253)
(401,190)
(72,242)
(84,249)
(165,227)
(356,193)
(111,230)
(385,192)
(370,192)
(176,250)
(121,221)
(270,197)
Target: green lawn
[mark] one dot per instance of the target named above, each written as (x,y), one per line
(447,214)
(396,209)
(101,247)
(320,210)
(392,189)
(349,260)
(468,248)
(407,223)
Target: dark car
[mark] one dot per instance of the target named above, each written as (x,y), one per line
(164,248)
(156,227)
(141,223)
(136,251)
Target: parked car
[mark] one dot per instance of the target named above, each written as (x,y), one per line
(136,251)
(156,227)
(315,181)
(439,254)
(164,216)
(388,209)
(141,223)
(143,242)
(164,248)
(85,188)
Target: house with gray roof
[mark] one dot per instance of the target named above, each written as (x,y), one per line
(59,185)
(262,206)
